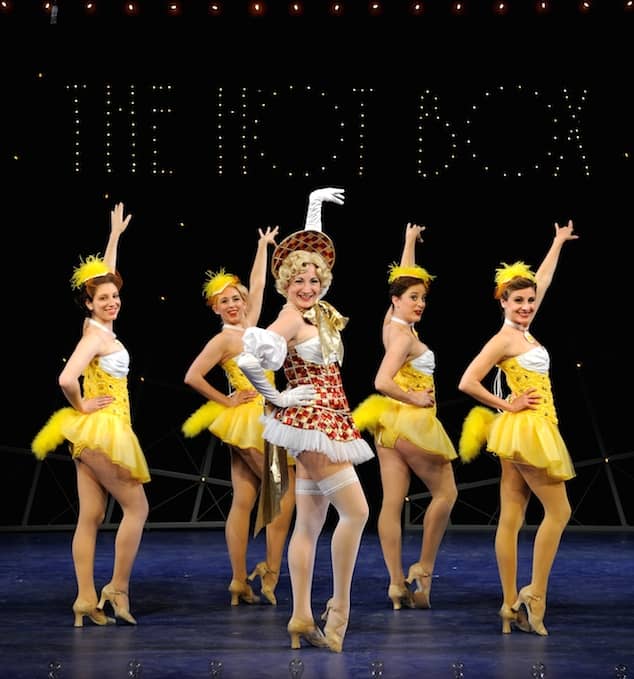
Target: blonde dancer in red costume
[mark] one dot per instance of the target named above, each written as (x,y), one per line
(107,455)
(524,435)
(318,431)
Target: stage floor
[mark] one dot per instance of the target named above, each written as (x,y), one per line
(185,621)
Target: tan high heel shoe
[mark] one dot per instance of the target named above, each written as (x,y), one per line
(267,576)
(308,629)
(511,618)
(535,607)
(110,594)
(423,585)
(401,595)
(82,608)
(240,591)
(335,627)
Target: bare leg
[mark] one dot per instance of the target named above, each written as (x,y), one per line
(245,485)
(277,530)
(554,500)
(514,496)
(130,495)
(92,507)
(395,480)
(437,474)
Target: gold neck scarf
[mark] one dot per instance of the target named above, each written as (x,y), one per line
(329,322)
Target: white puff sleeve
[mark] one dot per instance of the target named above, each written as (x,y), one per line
(268,347)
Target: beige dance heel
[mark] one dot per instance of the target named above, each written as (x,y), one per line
(308,629)
(422,593)
(240,591)
(121,612)
(511,618)
(268,581)
(83,609)
(535,607)
(335,627)
(401,595)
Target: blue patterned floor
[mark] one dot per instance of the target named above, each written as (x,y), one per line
(179,596)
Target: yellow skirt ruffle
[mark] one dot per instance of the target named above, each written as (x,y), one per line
(389,420)
(102,431)
(238,426)
(530,438)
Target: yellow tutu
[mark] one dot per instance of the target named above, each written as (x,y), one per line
(102,430)
(237,426)
(530,438)
(388,420)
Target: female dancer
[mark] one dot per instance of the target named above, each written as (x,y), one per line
(235,419)
(524,436)
(318,430)
(105,449)
(408,436)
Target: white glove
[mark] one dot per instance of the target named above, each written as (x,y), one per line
(299,396)
(315,199)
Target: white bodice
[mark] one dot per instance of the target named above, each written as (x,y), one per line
(536,359)
(310,350)
(425,363)
(117,363)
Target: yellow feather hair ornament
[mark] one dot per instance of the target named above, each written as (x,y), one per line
(50,435)
(415,271)
(88,268)
(366,415)
(201,419)
(475,431)
(507,272)
(216,282)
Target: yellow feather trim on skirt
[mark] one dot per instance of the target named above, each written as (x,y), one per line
(475,431)
(50,435)
(366,415)
(202,418)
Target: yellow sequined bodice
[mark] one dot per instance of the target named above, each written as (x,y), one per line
(97,382)
(519,379)
(238,380)
(410,379)
(391,420)
(413,380)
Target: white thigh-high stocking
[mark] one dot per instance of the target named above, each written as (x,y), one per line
(344,491)
(311,508)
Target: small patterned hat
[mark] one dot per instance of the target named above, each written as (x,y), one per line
(309,240)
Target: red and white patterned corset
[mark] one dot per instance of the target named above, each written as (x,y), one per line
(331,412)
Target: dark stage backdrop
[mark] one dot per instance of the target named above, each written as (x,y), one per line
(486,130)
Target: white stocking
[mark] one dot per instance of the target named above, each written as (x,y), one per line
(346,494)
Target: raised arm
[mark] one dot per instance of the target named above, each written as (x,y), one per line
(546,270)
(315,200)
(408,256)
(412,236)
(257,279)
(118,224)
